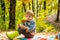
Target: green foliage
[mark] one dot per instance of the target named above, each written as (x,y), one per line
(4,25)
(50,29)
(1,20)
(12,35)
(7,14)
(40,17)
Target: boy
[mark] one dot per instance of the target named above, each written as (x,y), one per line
(28,26)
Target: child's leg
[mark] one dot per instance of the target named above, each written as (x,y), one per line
(21,31)
(32,33)
(28,35)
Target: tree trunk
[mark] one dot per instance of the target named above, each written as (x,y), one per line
(29,6)
(3,9)
(33,5)
(12,14)
(24,7)
(45,5)
(57,19)
(37,7)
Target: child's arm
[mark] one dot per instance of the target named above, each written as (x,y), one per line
(21,26)
(32,27)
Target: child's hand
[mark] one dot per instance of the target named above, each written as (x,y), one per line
(21,26)
(26,29)
(18,25)
(32,33)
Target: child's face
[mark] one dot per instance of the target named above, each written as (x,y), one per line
(29,17)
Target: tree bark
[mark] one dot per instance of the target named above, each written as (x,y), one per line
(57,19)
(29,6)
(44,5)
(24,7)
(33,5)
(12,14)
(37,7)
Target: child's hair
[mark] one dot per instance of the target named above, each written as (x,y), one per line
(30,12)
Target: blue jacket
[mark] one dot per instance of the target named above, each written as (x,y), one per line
(30,25)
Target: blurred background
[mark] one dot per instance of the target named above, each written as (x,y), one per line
(46,14)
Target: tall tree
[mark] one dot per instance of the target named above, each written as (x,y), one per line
(33,6)
(12,14)
(3,9)
(45,7)
(29,6)
(37,7)
(58,13)
(24,6)
(44,4)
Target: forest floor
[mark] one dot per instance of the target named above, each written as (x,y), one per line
(4,37)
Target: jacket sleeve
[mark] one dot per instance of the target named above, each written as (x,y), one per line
(32,26)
